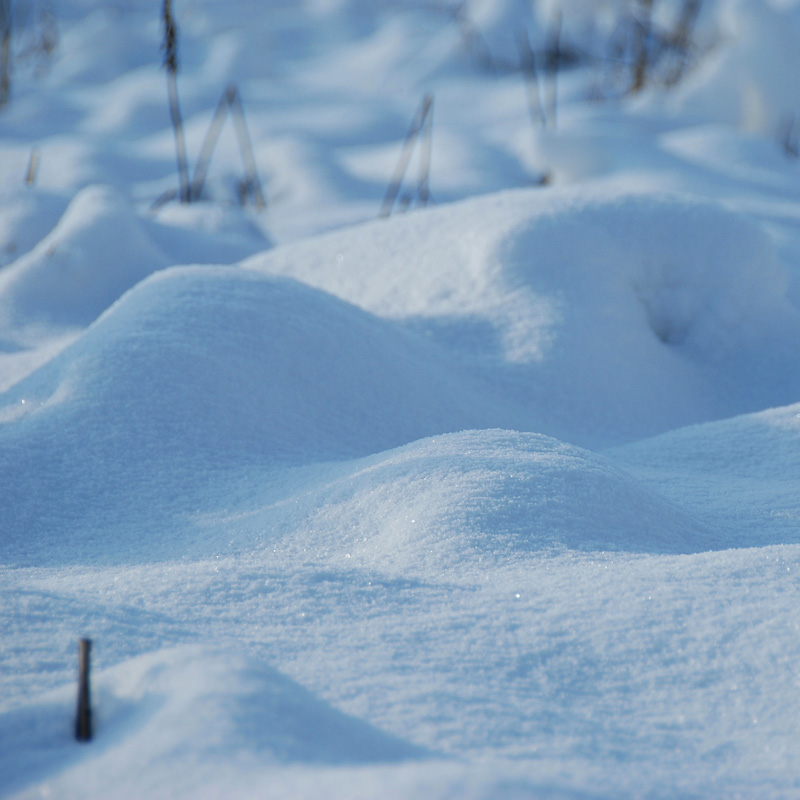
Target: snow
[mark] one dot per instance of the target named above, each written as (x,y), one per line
(553,292)
(495,498)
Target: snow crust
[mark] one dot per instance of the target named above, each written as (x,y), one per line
(491,499)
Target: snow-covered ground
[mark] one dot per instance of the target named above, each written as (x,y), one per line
(497,498)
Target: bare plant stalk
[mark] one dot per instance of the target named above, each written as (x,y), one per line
(6,23)
(209,143)
(686,23)
(170,48)
(787,135)
(180,141)
(230,102)
(83,722)
(246,148)
(405,155)
(423,188)
(33,167)
(528,64)
(642,61)
(682,38)
(554,63)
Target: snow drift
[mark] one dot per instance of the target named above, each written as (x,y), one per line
(201,372)
(510,480)
(742,473)
(94,254)
(480,497)
(683,301)
(148,708)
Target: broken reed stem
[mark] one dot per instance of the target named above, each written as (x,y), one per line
(554,63)
(170,48)
(423,187)
(209,143)
(643,29)
(229,103)
(528,65)
(685,27)
(246,148)
(682,38)
(6,22)
(405,156)
(83,723)
(180,141)
(33,167)
(787,135)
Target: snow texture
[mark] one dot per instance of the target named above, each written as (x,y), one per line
(495,498)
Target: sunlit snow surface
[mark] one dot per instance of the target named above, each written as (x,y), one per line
(493,499)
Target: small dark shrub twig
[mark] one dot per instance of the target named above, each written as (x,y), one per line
(788,135)
(528,66)
(553,63)
(423,121)
(681,40)
(230,103)
(644,25)
(6,25)
(171,65)
(423,186)
(33,167)
(653,54)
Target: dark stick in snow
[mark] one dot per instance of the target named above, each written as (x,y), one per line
(83,724)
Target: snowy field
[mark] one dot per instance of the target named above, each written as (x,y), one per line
(492,499)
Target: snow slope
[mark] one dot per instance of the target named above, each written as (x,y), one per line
(552,293)
(741,471)
(202,372)
(491,499)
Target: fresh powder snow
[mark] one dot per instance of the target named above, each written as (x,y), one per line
(494,498)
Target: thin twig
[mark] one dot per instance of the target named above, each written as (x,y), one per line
(682,39)
(423,188)
(209,143)
(643,36)
(162,200)
(528,65)
(554,63)
(6,25)
(171,64)
(230,102)
(405,155)
(180,141)
(246,148)
(33,167)
(787,135)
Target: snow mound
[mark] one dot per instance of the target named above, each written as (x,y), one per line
(681,300)
(221,702)
(743,82)
(471,499)
(183,709)
(202,372)
(689,264)
(97,251)
(26,216)
(741,473)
